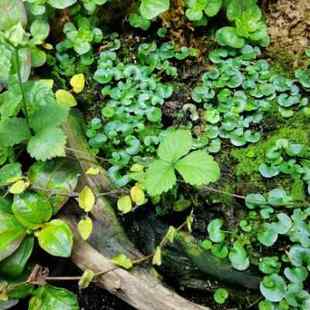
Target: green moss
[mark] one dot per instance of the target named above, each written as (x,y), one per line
(296,129)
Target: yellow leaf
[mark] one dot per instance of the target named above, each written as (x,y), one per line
(157,257)
(124,204)
(78,83)
(189,222)
(19,187)
(136,168)
(86,279)
(86,199)
(137,195)
(93,171)
(171,234)
(85,227)
(48,46)
(65,98)
(122,260)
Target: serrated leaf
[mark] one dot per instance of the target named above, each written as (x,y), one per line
(124,204)
(19,187)
(137,195)
(157,257)
(32,209)
(149,9)
(87,199)
(160,177)
(198,168)
(78,83)
(49,115)
(13,131)
(175,144)
(12,234)
(65,98)
(85,227)
(47,144)
(86,279)
(123,261)
(56,238)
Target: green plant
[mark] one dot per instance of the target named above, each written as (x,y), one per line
(196,168)
(220,296)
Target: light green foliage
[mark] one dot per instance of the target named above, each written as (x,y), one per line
(150,9)
(197,168)
(220,295)
(129,127)
(238,92)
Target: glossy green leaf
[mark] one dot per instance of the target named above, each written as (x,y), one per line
(56,179)
(56,238)
(12,234)
(10,173)
(32,209)
(14,265)
(50,297)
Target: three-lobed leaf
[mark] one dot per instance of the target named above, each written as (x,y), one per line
(160,177)
(198,168)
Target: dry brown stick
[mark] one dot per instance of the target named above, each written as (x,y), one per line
(138,288)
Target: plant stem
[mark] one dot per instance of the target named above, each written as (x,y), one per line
(20,82)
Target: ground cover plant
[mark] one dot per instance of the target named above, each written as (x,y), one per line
(152,143)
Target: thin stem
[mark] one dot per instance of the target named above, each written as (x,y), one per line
(20,82)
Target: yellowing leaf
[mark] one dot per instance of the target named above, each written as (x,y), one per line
(122,260)
(19,187)
(86,279)
(93,171)
(65,98)
(48,46)
(78,83)
(189,222)
(48,82)
(86,199)
(85,227)
(136,168)
(157,257)
(137,195)
(124,204)
(171,234)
